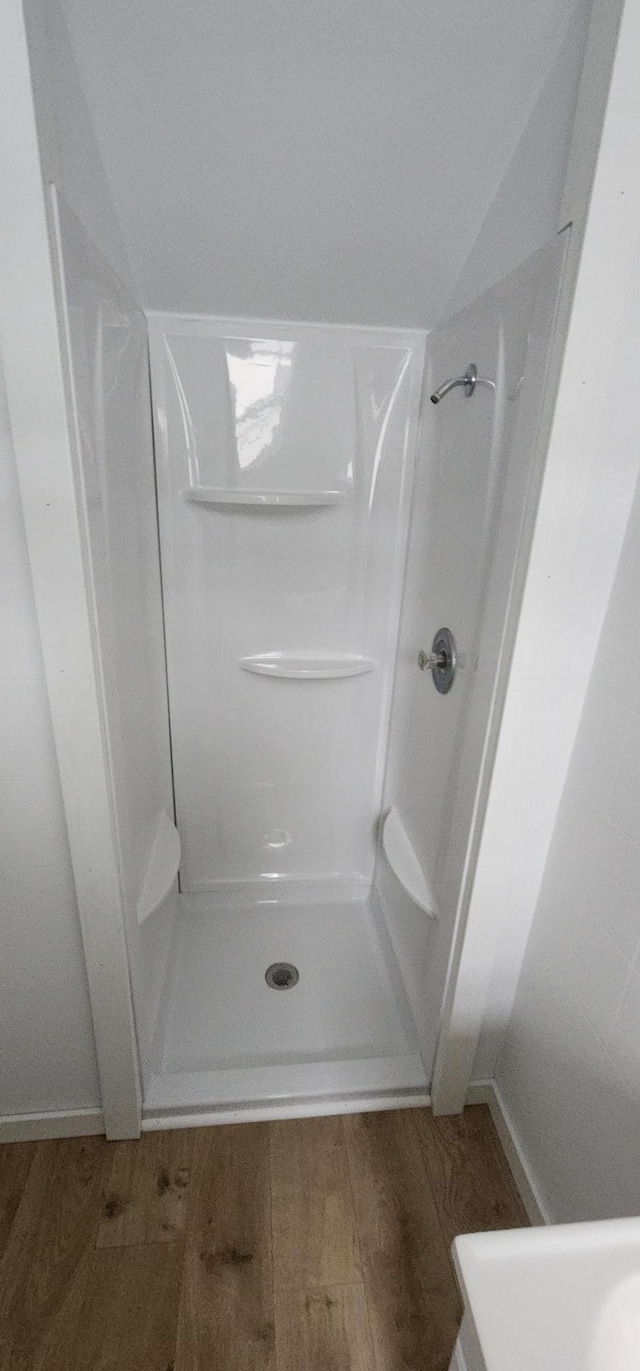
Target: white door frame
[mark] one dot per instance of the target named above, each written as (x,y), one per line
(52,500)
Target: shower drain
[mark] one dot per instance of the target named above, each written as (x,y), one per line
(282,976)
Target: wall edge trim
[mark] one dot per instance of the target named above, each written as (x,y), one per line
(59,1123)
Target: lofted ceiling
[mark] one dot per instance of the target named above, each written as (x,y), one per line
(299,159)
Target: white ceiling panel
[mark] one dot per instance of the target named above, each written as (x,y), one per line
(329,161)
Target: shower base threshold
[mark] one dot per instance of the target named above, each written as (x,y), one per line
(230,1046)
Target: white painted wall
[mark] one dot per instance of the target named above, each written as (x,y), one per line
(48,1053)
(284,159)
(569,1072)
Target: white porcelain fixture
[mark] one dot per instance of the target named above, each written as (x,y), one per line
(617,1337)
(558,1298)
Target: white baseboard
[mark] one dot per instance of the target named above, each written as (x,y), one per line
(487,1092)
(268,1112)
(62,1123)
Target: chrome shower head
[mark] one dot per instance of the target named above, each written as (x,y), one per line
(469,381)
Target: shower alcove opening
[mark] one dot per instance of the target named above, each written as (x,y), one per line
(305,795)
(283,523)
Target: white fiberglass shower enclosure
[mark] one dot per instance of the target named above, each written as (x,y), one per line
(274,523)
(282,529)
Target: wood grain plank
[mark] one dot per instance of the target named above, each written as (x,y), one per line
(53,1230)
(182,1279)
(414,1307)
(15,1162)
(470,1179)
(146,1196)
(226,1304)
(323,1328)
(314,1231)
(122,1312)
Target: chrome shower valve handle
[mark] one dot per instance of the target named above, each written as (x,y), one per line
(428,661)
(442,660)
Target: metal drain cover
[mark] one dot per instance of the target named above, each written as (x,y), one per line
(282,976)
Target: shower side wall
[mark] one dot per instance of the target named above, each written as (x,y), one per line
(45,138)
(105,339)
(285,456)
(471,498)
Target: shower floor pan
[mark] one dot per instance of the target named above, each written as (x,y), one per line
(342,1037)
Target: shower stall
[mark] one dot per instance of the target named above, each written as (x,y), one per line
(276,526)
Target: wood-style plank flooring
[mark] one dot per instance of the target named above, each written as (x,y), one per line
(309,1245)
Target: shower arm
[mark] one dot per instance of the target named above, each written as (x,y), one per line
(470,380)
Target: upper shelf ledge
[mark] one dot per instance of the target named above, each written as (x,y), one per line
(404,863)
(307,666)
(286,499)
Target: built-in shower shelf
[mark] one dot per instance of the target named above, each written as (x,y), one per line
(163,864)
(285,499)
(307,666)
(404,863)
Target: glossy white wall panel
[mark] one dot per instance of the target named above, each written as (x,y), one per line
(274,428)
(466,519)
(157,936)
(48,1053)
(413,936)
(109,368)
(281,777)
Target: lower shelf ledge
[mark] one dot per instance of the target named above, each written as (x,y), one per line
(307,666)
(281,499)
(404,863)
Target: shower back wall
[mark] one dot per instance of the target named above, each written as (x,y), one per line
(284,462)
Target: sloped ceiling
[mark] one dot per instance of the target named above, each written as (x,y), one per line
(308,159)
(523,214)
